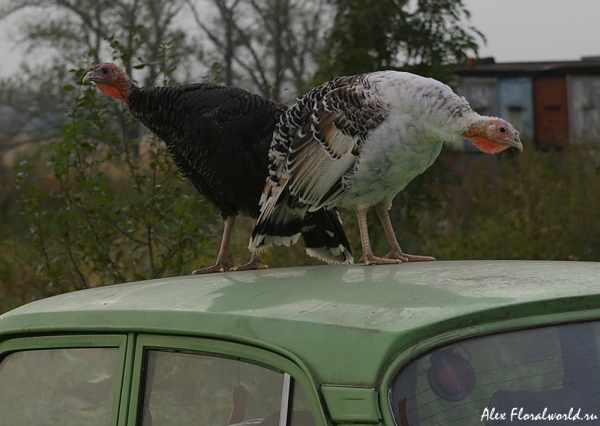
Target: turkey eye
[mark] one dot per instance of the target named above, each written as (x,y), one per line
(502,130)
(105,71)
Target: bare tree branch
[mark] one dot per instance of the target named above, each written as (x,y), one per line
(259,80)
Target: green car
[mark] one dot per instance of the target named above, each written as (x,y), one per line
(439,343)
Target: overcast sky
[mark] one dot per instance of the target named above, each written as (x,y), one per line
(516,30)
(537,30)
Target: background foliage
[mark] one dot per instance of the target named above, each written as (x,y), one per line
(94,199)
(426,37)
(115,209)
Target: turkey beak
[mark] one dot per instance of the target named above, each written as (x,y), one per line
(515,142)
(89,76)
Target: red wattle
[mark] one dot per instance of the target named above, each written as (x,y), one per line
(487,145)
(110,91)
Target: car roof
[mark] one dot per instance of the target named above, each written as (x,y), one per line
(332,318)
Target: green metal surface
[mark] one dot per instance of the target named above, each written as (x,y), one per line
(353,405)
(344,324)
(126,385)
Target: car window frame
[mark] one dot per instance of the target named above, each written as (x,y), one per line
(222,349)
(469,329)
(80,341)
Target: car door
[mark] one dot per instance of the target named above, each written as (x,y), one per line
(191,381)
(61,380)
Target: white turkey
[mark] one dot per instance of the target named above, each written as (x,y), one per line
(356,142)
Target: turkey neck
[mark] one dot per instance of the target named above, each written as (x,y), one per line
(158,108)
(436,110)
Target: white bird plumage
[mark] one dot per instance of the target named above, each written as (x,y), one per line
(356,142)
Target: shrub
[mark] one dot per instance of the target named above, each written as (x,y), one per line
(119,210)
(535,205)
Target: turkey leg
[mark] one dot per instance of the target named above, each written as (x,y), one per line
(395,250)
(254,260)
(368,257)
(222,264)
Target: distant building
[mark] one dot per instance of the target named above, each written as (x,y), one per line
(550,103)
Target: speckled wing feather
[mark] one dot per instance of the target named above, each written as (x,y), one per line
(318,140)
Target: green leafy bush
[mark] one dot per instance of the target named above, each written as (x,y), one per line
(533,205)
(119,211)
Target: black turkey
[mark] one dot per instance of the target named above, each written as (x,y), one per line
(219,138)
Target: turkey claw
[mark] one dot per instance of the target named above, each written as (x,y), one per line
(221,266)
(250,266)
(404,257)
(374,260)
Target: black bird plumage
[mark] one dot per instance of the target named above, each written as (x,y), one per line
(219,138)
(203,123)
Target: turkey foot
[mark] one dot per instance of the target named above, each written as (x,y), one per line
(370,259)
(221,266)
(253,264)
(250,266)
(405,257)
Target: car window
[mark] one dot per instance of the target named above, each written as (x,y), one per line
(194,389)
(547,375)
(58,387)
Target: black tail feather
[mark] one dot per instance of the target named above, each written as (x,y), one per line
(282,227)
(324,237)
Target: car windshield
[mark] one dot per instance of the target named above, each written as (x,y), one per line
(547,375)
